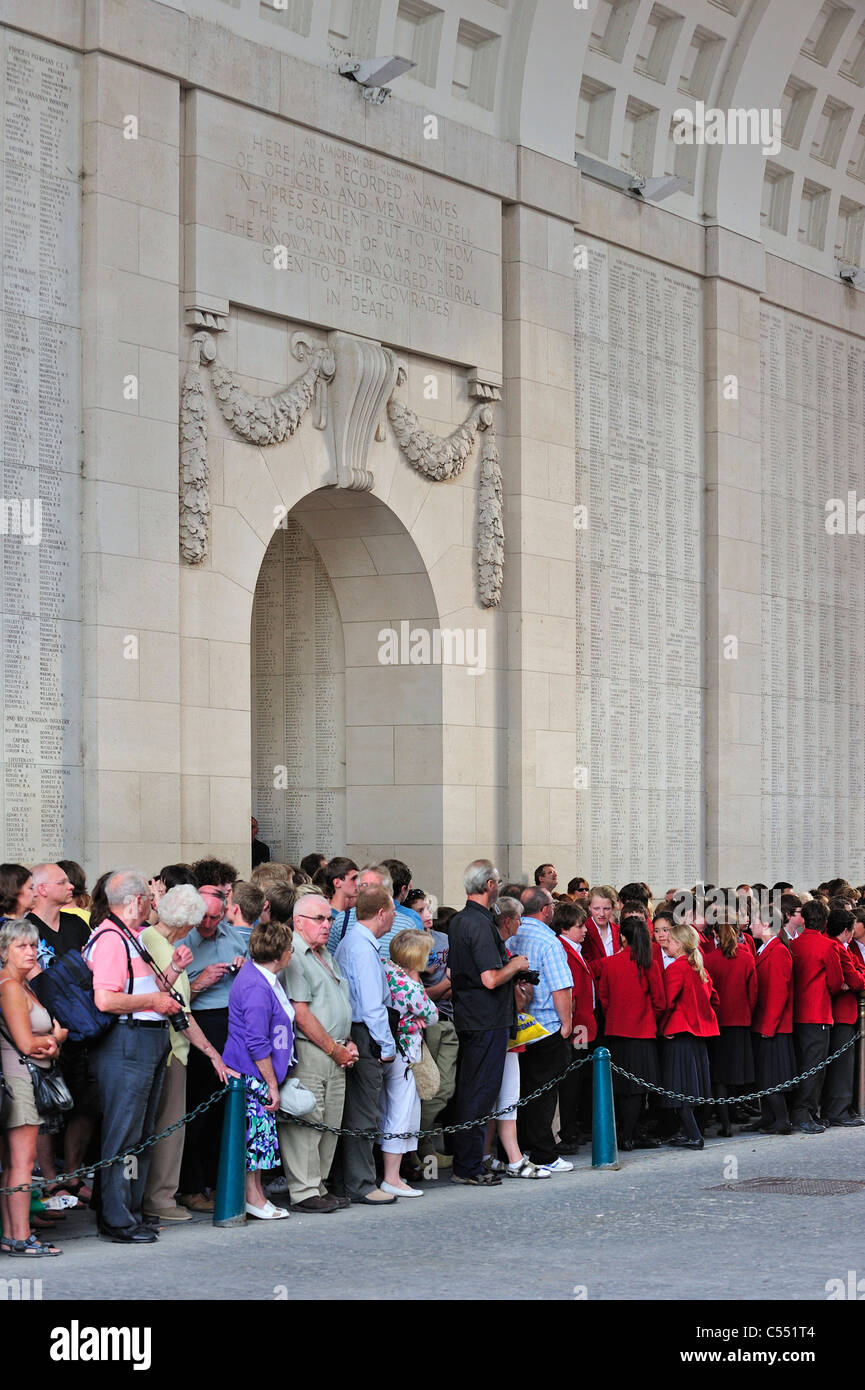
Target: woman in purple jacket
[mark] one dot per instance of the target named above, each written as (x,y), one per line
(261,1047)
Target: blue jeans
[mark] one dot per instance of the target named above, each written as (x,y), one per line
(129,1066)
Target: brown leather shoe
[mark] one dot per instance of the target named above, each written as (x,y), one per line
(322,1204)
(196,1201)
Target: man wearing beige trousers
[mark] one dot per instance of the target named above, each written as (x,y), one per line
(178,910)
(315,985)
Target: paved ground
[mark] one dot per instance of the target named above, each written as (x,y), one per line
(655,1229)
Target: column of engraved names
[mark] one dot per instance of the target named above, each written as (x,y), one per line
(268,700)
(41,701)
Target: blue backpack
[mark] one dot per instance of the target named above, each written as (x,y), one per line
(66,991)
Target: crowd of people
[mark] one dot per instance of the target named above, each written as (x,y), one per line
(342,994)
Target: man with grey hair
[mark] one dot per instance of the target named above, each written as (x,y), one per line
(316,987)
(129,1060)
(482,984)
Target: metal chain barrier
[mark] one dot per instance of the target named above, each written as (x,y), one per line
(440,1129)
(39,1183)
(735,1100)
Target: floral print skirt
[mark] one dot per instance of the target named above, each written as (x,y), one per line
(261,1144)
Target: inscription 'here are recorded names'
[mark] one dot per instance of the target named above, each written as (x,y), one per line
(372,232)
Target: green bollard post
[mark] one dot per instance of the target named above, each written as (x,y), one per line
(229,1208)
(605,1149)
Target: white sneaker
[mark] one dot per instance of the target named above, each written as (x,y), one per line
(561,1165)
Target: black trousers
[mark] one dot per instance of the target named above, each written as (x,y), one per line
(837,1100)
(203,1134)
(812,1047)
(572,1093)
(480,1067)
(541,1061)
(353,1172)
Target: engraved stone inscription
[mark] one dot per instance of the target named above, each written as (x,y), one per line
(639,570)
(335,234)
(41,787)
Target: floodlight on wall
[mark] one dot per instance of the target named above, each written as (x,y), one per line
(653,189)
(658,189)
(372,73)
(852,275)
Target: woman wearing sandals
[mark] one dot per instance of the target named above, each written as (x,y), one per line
(33,1033)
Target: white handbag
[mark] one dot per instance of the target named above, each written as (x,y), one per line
(295,1099)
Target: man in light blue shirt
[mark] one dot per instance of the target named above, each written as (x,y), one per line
(361,965)
(552,1006)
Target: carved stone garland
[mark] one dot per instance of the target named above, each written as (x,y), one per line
(258,419)
(439,458)
(264,420)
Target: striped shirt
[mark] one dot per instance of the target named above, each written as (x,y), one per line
(546,954)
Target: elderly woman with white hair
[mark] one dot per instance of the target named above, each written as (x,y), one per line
(178,911)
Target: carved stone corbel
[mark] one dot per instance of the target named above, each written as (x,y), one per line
(365,377)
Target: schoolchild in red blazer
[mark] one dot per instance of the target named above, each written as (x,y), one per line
(688,1020)
(569,924)
(632,996)
(817,975)
(732,970)
(602,902)
(772,1027)
(836,1106)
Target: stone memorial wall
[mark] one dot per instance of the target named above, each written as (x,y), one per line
(298,702)
(40,691)
(813,600)
(639,569)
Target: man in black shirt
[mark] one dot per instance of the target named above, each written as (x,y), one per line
(260,851)
(60,932)
(482,977)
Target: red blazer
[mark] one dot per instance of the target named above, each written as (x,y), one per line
(659,955)
(748,940)
(632,1000)
(736,983)
(845,1006)
(816,977)
(583,991)
(707,943)
(773,1012)
(690,1003)
(593,947)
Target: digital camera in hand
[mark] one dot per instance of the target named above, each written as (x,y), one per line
(528,977)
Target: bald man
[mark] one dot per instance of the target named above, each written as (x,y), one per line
(59,931)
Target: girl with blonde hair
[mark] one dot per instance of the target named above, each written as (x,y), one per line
(689,1019)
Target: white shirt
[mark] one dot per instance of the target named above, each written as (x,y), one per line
(606,935)
(276,986)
